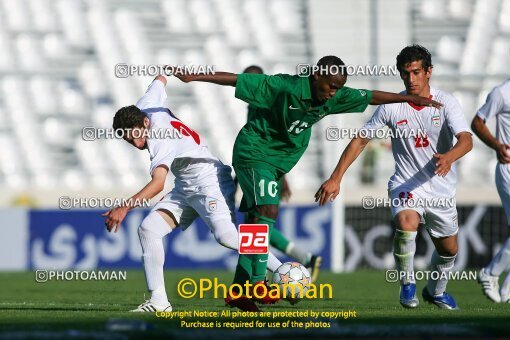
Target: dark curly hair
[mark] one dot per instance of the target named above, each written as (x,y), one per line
(254,69)
(128,117)
(330,60)
(414,53)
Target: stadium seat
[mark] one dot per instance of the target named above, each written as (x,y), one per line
(43,15)
(460,9)
(72,16)
(16,14)
(480,34)
(434,9)
(499,60)
(449,48)
(504,17)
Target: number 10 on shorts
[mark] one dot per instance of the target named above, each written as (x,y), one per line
(253,239)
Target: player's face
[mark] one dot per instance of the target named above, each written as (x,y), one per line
(415,78)
(325,87)
(137,136)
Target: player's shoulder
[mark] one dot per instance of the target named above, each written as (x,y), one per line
(287,79)
(159,119)
(393,107)
(444,97)
(504,85)
(501,89)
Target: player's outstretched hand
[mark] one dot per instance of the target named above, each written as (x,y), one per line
(114,218)
(179,73)
(422,101)
(443,164)
(503,153)
(329,190)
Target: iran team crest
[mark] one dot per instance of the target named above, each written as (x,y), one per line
(436,120)
(212,205)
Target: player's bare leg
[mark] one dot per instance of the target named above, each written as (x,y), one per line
(151,232)
(442,262)
(404,248)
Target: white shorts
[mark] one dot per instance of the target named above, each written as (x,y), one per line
(439,215)
(503,186)
(212,200)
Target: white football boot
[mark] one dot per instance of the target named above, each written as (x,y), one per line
(490,285)
(504,292)
(150,307)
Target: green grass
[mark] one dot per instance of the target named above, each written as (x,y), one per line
(82,307)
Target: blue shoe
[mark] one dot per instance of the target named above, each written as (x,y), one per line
(408,297)
(444,301)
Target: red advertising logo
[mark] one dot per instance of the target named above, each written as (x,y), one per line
(253,239)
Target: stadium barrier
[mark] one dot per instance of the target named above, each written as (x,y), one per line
(77,239)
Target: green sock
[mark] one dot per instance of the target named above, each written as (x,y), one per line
(259,261)
(278,241)
(243,270)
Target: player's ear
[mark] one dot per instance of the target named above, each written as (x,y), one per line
(146,122)
(428,73)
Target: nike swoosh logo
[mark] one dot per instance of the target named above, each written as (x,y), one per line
(293,108)
(262,261)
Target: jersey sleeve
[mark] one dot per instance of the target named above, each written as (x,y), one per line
(351,100)
(455,117)
(163,154)
(493,105)
(155,96)
(259,90)
(377,121)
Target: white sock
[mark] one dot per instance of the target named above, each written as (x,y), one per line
(501,261)
(151,233)
(504,291)
(225,233)
(273,263)
(298,255)
(404,247)
(440,264)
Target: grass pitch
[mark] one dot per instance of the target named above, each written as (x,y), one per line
(99,309)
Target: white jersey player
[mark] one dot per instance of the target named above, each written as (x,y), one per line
(203,186)
(422,189)
(497,106)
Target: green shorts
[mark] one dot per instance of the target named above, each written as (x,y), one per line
(259,187)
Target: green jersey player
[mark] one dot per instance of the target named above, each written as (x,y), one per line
(278,240)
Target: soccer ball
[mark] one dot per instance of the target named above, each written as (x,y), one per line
(293,279)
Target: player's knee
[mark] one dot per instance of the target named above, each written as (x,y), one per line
(407,222)
(154,225)
(270,211)
(225,234)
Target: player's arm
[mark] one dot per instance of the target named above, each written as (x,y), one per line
(492,106)
(457,124)
(259,90)
(330,189)
(482,131)
(463,146)
(161,78)
(115,216)
(219,78)
(380,97)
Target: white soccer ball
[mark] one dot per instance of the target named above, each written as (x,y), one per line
(293,280)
